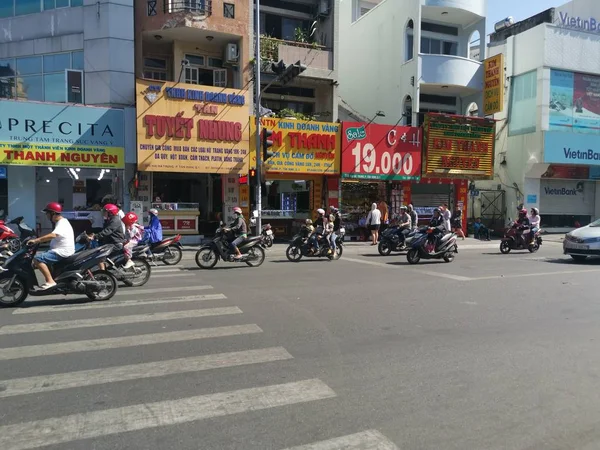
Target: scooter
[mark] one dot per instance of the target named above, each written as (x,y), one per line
(299,247)
(168,250)
(392,240)
(9,236)
(267,234)
(73,275)
(252,250)
(422,249)
(513,240)
(135,276)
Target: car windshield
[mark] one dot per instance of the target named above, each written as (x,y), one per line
(595,223)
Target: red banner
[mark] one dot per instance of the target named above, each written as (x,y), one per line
(381,152)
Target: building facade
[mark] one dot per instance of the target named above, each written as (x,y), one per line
(548,154)
(66,69)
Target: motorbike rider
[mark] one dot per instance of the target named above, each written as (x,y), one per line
(319,224)
(414,217)
(404,222)
(153,232)
(534,223)
(240,230)
(336,218)
(522,223)
(62,243)
(112,233)
(438,228)
(134,233)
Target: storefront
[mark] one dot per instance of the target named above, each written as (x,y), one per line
(303,173)
(71,154)
(376,160)
(190,140)
(457,150)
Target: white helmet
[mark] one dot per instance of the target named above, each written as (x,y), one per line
(321,211)
(153,211)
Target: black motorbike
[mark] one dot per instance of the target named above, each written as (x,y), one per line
(138,274)
(300,246)
(73,275)
(252,250)
(267,234)
(422,248)
(394,240)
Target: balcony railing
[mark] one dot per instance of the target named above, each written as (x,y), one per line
(315,56)
(202,7)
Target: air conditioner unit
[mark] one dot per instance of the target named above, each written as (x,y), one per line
(232,54)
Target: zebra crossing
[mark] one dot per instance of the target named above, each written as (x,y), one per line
(57,336)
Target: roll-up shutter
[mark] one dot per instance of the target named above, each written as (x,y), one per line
(567,197)
(430,195)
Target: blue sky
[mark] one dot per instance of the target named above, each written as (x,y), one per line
(519,9)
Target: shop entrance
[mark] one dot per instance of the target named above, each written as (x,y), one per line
(426,197)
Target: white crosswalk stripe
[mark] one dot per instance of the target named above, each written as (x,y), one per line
(132,291)
(367,440)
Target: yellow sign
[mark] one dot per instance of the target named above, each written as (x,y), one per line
(300,146)
(30,154)
(459,146)
(493,84)
(245,199)
(191,128)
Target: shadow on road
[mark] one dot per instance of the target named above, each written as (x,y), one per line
(56,302)
(377,255)
(420,263)
(572,262)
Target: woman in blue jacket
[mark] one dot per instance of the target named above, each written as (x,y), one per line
(154,232)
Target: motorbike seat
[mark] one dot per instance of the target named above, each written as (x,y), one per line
(253,238)
(76,257)
(446,237)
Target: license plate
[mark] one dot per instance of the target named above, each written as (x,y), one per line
(342,230)
(577,246)
(269,232)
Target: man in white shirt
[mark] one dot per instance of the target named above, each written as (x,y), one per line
(446,216)
(62,243)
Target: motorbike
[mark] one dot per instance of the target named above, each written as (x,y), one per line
(299,247)
(267,234)
(135,276)
(9,236)
(392,240)
(73,275)
(422,249)
(252,250)
(169,251)
(513,240)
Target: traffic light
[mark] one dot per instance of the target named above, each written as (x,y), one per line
(278,68)
(291,72)
(266,143)
(252,177)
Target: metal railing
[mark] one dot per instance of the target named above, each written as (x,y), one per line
(203,7)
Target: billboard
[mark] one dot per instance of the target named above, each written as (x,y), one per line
(493,84)
(574,102)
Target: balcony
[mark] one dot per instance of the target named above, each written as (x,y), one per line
(456,71)
(198,7)
(475,7)
(317,58)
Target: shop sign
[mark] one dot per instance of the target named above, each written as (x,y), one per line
(571,148)
(578,23)
(167,224)
(191,128)
(300,146)
(46,134)
(459,146)
(574,102)
(381,152)
(186,224)
(493,84)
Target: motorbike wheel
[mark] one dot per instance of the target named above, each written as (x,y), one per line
(449,257)
(256,256)
(14,245)
(269,242)
(413,256)
(172,255)
(505,247)
(339,250)
(533,248)
(17,294)
(206,258)
(110,286)
(143,272)
(293,253)
(384,248)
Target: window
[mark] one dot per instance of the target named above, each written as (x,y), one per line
(361,7)
(198,72)
(410,42)
(523,98)
(229,10)
(195,60)
(215,62)
(220,78)
(9,8)
(432,46)
(38,78)
(155,69)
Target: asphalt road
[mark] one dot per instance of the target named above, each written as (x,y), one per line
(488,352)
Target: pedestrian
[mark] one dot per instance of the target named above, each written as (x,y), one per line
(414,217)
(480,230)
(446,216)
(457,223)
(374,222)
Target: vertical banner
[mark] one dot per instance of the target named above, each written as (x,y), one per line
(493,84)
(245,200)
(230,196)
(316,196)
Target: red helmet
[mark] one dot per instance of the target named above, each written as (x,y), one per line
(130,218)
(523,212)
(111,209)
(53,207)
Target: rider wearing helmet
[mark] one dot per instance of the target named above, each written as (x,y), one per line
(134,233)
(522,223)
(336,218)
(319,225)
(113,232)
(534,223)
(404,222)
(438,228)
(154,232)
(62,243)
(240,230)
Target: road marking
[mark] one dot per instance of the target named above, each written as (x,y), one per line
(170,275)
(367,440)
(412,269)
(32,351)
(130,291)
(539,274)
(55,382)
(117,320)
(60,430)
(116,304)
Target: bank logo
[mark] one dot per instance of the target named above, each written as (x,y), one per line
(356,133)
(151,97)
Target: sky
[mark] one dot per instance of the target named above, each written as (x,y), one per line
(519,9)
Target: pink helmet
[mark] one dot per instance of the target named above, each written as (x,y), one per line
(237,210)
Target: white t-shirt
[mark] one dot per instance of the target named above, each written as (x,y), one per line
(121,214)
(534,221)
(64,242)
(375,217)
(447,215)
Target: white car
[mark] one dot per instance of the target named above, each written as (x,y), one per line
(583,242)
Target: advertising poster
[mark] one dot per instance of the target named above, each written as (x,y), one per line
(493,84)
(561,100)
(191,128)
(381,152)
(459,147)
(299,146)
(571,148)
(41,134)
(574,102)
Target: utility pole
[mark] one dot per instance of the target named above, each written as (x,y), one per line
(257,68)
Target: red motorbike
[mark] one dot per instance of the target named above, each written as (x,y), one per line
(516,237)
(168,250)
(9,237)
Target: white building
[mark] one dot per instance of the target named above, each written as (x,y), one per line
(548,135)
(63,53)
(404,58)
